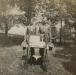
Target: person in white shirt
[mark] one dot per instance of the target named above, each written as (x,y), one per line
(24,46)
(51,46)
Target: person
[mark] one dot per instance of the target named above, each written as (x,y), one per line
(24,47)
(51,46)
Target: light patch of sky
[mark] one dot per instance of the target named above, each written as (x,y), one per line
(58,26)
(15,11)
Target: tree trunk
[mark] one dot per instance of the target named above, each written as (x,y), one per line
(6,29)
(70,32)
(61,33)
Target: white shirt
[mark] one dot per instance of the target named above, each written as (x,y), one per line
(24,44)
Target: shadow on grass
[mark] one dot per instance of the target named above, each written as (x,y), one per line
(6,41)
(71,65)
(68,52)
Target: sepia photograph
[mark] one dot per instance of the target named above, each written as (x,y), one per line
(37,37)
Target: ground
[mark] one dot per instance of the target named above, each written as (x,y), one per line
(11,63)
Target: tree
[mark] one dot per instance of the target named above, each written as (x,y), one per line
(71,14)
(4,6)
(3,9)
(71,9)
(28,6)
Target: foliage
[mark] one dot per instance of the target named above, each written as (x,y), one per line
(27,6)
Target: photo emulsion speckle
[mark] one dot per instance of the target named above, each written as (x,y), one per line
(37,37)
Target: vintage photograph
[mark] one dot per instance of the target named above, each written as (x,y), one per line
(37,37)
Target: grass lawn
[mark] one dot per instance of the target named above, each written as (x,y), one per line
(11,63)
